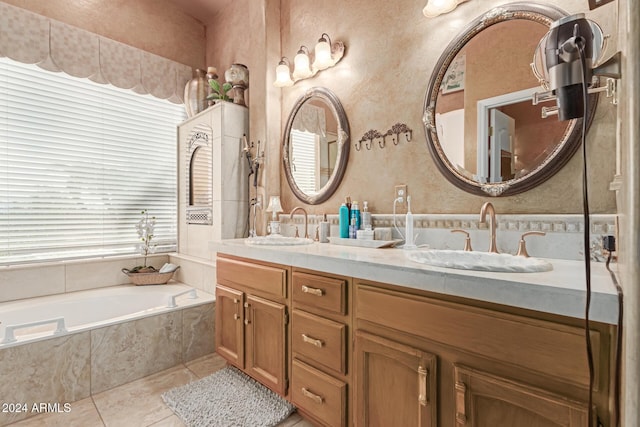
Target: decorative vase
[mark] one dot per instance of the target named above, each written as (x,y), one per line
(195,93)
(238,76)
(212,74)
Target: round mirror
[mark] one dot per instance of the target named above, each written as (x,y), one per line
(482,129)
(316,146)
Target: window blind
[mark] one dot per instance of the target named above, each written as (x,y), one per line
(79,161)
(304,160)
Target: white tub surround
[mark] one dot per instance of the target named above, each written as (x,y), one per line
(560,291)
(211,144)
(113,336)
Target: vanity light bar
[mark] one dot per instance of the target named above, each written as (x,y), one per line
(306,64)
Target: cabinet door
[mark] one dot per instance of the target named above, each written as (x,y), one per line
(482,400)
(395,384)
(229,325)
(265,323)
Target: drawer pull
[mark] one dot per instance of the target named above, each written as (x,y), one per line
(306,338)
(423,378)
(313,291)
(312,396)
(461,410)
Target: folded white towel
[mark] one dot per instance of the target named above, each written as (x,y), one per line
(168,267)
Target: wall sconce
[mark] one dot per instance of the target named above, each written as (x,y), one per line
(438,7)
(307,64)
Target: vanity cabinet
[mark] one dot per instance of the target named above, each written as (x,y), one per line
(251,319)
(320,338)
(485,365)
(349,351)
(396,384)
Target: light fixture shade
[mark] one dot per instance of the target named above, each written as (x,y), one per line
(274,206)
(283,76)
(301,67)
(438,7)
(323,58)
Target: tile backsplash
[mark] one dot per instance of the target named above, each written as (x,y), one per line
(563,239)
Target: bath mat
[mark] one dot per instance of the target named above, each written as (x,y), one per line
(227,398)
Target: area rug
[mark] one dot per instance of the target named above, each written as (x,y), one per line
(227,398)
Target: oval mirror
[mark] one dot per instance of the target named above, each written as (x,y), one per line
(316,145)
(482,129)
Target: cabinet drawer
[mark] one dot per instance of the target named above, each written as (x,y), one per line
(319,394)
(540,346)
(320,292)
(267,279)
(319,339)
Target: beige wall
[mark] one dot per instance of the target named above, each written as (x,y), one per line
(156,26)
(391,52)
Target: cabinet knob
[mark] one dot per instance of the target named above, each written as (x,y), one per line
(246,321)
(312,396)
(235,316)
(313,291)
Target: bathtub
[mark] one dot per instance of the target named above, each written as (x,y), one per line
(35,319)
(64,348)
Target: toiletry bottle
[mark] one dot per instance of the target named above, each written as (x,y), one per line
(353,229)
(355,213)
(324,229)
(344,221)
(408,230)
(366,217)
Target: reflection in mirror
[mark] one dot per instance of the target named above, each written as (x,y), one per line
(316,146)
(200,176)
(482,128)
(313,146)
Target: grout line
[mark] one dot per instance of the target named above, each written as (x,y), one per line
(98,411)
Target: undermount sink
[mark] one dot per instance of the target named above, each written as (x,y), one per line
(277,240)
(481,261)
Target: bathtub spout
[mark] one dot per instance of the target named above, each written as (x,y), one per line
(193,294)
(9,330)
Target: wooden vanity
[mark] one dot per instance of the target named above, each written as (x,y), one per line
(349,350)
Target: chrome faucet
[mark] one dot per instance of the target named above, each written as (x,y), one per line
(300,208)
(488,207)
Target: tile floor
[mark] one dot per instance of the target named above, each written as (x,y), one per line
(138,403)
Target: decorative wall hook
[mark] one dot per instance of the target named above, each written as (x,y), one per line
(368,139)
(396,130)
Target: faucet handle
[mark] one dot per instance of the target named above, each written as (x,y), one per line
(297,233)
(522,245)
(467,241)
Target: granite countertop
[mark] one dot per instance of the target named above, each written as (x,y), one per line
(560,291)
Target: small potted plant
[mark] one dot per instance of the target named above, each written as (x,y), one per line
(219,92)
(148,274)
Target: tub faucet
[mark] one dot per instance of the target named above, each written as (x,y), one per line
(488,207)
(300,208)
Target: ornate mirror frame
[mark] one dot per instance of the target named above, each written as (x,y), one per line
(564,150)
(342,152)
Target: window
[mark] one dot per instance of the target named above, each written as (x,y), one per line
(79,161)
